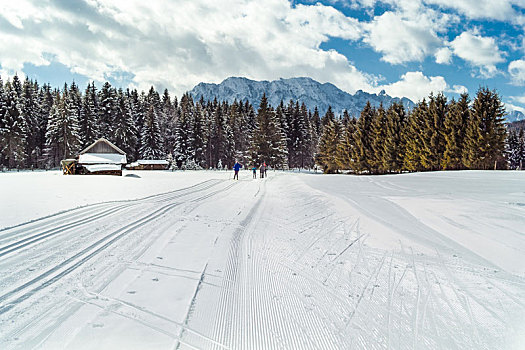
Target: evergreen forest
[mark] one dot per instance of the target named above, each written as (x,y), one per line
(41,125)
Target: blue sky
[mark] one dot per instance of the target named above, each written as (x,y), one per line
(406,47)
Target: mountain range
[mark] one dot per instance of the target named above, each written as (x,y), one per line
(305,90)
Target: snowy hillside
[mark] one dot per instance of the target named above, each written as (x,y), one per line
(293,261)
(514,116)
(306,90)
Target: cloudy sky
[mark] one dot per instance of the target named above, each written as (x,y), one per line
(406,47)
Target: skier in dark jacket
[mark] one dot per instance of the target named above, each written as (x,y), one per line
(254,169)
(236,168)
(261,169)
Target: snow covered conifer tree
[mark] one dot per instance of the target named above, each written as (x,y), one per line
(269,140)
(124,129)
(13,129)
(107,111)
(63,129)
(89,126)
(515,148)
(184,128)
(29,108)
(151,139)
(3,109)
(199,136)
(44,103)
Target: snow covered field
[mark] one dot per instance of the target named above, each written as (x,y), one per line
(162,260)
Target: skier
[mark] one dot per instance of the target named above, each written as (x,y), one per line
(236,168)
(265,170)
(262,171)
(254,169)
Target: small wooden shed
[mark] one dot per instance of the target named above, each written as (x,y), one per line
(149,164)
(101,158)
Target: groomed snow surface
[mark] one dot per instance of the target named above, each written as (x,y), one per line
(196,260)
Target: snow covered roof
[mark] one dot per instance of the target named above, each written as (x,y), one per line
(102,158)
(102,146)
(152,161)
(93,168)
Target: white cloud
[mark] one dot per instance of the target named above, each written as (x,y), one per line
(415,86)
(177,44)
(457,89)
(517,72)
(501,10)
(400,39)
(479,51)
(443,55)
(519,99)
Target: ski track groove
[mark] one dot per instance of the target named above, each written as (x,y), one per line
(86,254)
(27,241)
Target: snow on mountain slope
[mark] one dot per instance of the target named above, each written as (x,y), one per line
(306,90)
(293,261)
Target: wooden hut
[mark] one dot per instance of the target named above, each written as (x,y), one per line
(101,158)
(149,164)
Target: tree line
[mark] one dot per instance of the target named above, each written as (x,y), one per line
(40,125)
(437,134)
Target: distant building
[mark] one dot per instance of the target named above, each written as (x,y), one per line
(101,157)
(149,164)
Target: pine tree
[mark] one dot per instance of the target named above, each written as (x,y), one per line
(3,110)
(268,139)
(329,155)
(394,144)
(136,103)
(125,133)
(13,129)
(414,133)
(199,137)
(45,101)
(238,123)
(433,134)
(345,148)
(184,128)
(514,148)
(63,129)
(455,126)
(485,134)
(378,136)
(362,140)
(107,111)
(29,108)
(151,138)
(167,125)
(89,126)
